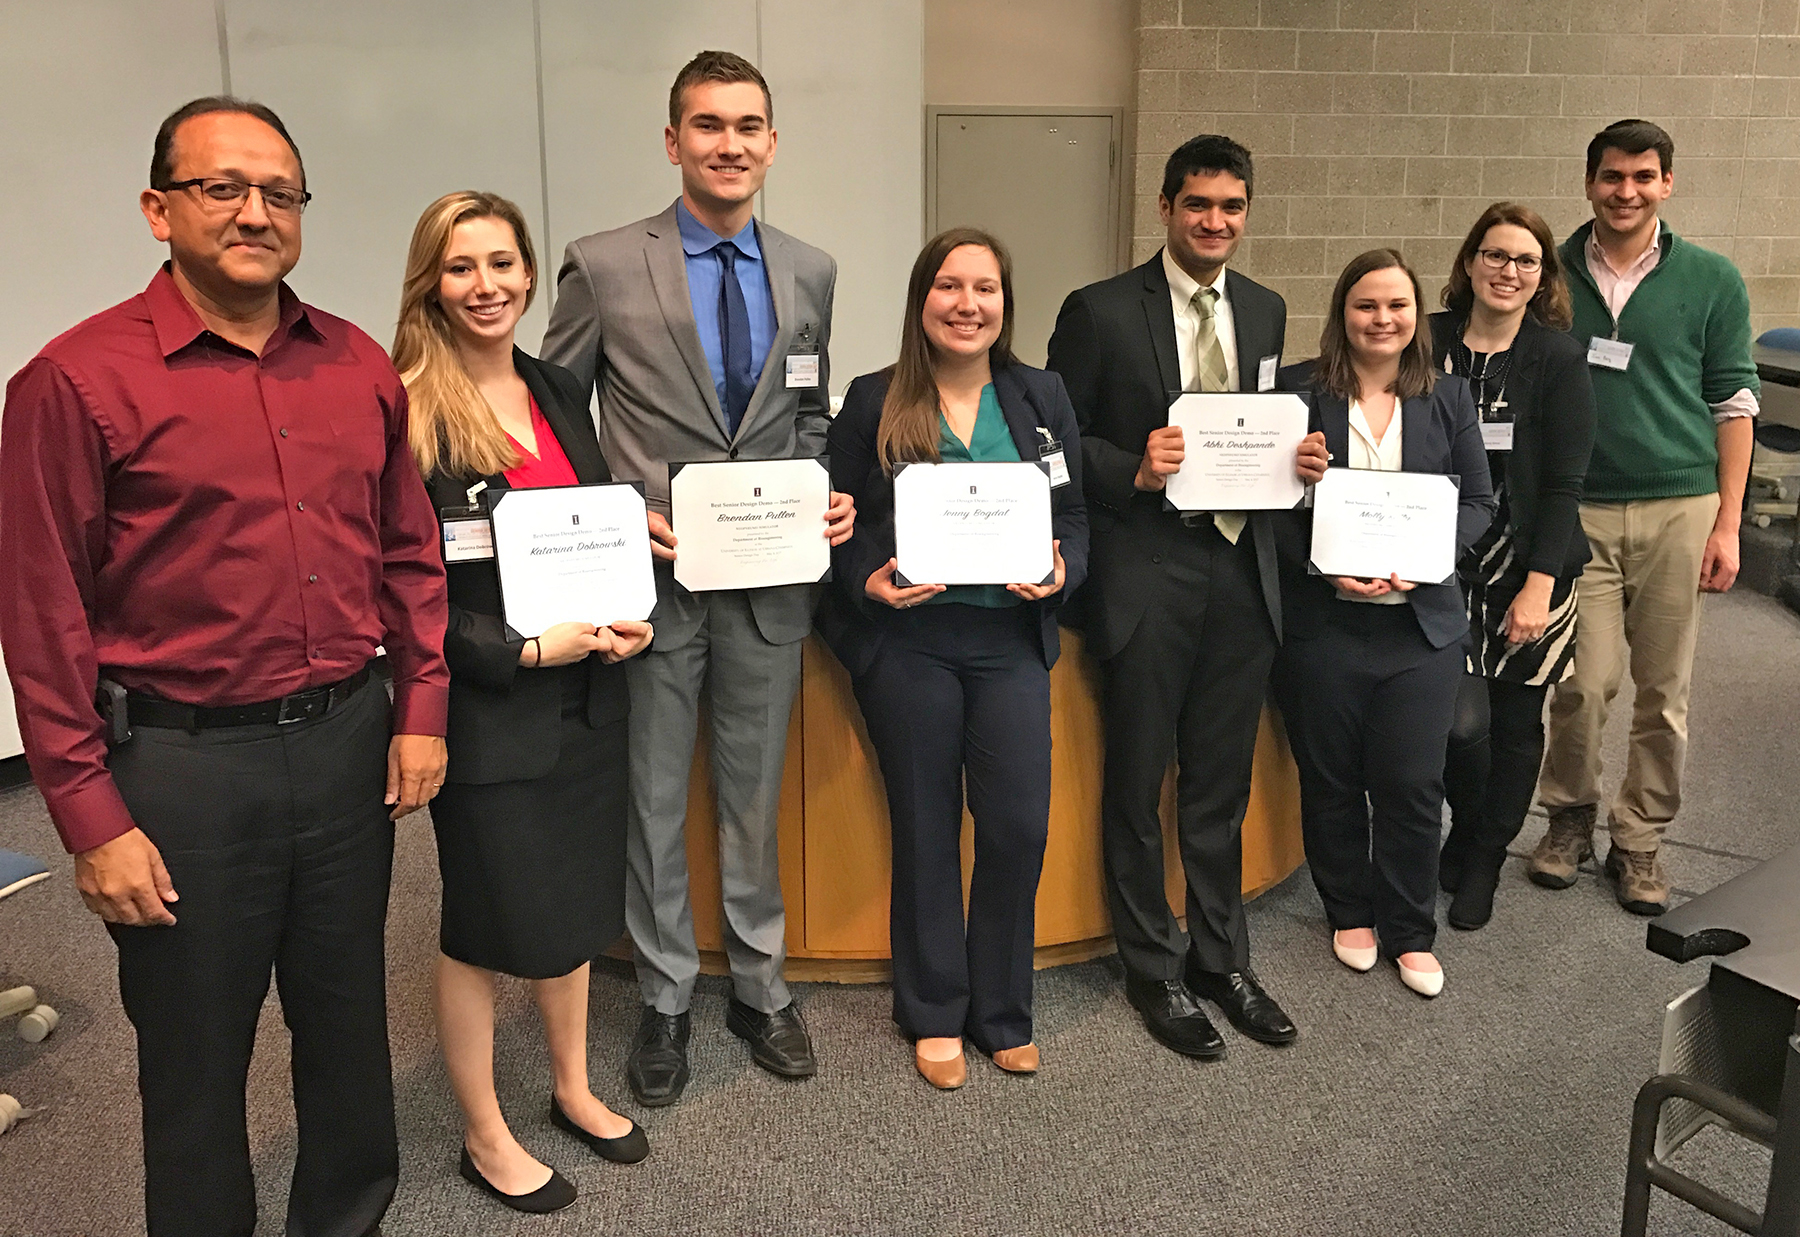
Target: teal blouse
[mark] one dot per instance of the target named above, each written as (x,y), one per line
(991,442)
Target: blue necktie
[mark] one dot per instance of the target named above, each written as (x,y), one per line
(734,339)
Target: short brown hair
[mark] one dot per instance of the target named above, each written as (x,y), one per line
(1550,304)
(1632,137)
(716,67)
(1335,372)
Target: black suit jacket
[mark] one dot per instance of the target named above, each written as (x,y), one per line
(1114,346)
(505,720)
(851,622)
(1551,397)
(1440,434)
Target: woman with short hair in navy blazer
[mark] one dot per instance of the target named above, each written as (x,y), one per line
(954,683)
(1374,665)
(531,820)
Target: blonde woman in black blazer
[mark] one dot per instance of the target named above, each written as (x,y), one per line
(1373,665)
(531,820)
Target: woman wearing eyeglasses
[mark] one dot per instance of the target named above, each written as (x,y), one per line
(1504,331)
(531,820)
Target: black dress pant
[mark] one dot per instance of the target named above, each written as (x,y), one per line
(1491,769)
(280,849)
(1189,684)
(1373,708)
(959,693)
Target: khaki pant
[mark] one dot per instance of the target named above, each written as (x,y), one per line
(1639,599)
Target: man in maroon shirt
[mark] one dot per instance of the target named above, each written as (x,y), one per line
(209,519)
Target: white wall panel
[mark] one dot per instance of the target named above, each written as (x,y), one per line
(608,65)
(393,104)
(848,82)
(83,85)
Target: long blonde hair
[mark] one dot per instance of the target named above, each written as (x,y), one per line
(450,425)
(908,432)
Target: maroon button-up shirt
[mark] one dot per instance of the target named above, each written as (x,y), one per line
(208,526)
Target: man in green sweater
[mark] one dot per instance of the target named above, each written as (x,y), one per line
(1667,325)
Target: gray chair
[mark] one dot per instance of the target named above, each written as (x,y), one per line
(36,1020)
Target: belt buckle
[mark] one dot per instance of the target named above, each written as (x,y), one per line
(303,706)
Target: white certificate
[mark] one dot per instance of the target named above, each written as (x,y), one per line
(572,554)
(973,524)
(1374,524)
(750,524)
(1239,452)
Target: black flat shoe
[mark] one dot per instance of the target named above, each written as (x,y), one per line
(553,1195)
(778,1041)
(1251,1010)
(627,1148)
(1173,1018)
(657,1067)
(1473,904)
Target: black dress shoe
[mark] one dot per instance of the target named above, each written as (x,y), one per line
(1251,1010)
(778,1041)
(1173,1018)
(627,1148)
(553,1195)
(657,1068)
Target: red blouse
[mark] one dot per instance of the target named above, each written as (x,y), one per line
(549,466)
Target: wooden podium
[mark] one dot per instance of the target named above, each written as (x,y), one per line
(835,861)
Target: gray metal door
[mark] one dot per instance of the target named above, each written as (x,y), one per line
(1047,186)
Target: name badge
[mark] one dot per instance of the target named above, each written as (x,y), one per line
(1497,435)
(468,539)
(1052,456)
(1265,372)
(1609,353)
(802,369)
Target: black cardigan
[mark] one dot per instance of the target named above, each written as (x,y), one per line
(850,621)
(1552,401)
(1440,434)
(505,720)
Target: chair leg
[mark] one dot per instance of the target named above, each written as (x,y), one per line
(1644,1170)
(1781,1211)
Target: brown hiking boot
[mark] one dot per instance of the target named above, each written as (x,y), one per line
(1643,886)
(1567,844)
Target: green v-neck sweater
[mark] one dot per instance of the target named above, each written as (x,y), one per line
(1689,322)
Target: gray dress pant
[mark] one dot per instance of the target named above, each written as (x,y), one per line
(749,684)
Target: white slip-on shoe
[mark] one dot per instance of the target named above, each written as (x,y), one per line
(1355,959)
(1425,983)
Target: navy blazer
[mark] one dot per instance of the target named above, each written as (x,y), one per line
(505,721)
(1440,433)
(851,621)
(1114,346)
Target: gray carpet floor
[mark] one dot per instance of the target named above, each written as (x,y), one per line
(1500,1108)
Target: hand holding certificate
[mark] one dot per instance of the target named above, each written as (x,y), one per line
(983,523)
(1239,452)
(572,552)
(754,524)
(1375,525)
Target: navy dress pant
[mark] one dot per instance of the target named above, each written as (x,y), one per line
(959,694)
(1371,712)
(280,850)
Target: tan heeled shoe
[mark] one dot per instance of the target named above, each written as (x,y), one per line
(944,1075)
(1020,1060)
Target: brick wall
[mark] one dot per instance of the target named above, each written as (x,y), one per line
(1394,122)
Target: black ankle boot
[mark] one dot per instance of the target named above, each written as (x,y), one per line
(1473,904)
(1452,858)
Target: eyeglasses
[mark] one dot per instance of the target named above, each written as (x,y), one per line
(1496,260)
(232,194)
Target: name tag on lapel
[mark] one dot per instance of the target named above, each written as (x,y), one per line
(1265,372)
(1609,353)
(803,359)
(468,539)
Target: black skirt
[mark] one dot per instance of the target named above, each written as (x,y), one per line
(534,871)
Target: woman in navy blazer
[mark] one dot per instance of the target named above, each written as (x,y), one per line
(1374,664)
(954,683)
(531,820)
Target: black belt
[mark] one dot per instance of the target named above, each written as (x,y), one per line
(299,707)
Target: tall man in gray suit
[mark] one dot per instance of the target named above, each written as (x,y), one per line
(706,334)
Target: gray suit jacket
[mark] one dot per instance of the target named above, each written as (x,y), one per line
(624,322)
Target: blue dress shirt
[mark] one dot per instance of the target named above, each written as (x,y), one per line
(704,273)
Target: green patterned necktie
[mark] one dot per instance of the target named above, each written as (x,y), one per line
(1213,375)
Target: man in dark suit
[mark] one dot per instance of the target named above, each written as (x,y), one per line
(1182,610)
